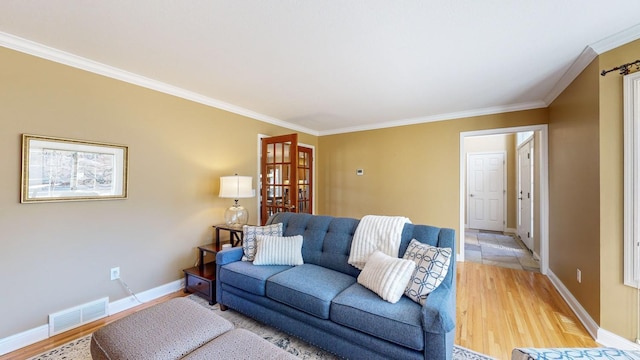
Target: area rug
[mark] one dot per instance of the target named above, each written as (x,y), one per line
(79,349)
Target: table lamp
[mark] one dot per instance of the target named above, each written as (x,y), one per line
(236,187)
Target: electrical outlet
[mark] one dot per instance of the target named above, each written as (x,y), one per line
(115,273)
(579,275)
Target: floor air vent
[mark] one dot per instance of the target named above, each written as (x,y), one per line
(76,316)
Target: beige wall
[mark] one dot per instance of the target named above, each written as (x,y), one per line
(499,143)
(409,170)
(178,149)
(586,193)
(57,255)
(618,302)
(574,204)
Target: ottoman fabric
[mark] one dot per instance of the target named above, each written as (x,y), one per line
(169,330)
(239,344)
(573,353)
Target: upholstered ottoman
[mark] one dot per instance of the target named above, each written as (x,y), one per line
(177,329)
(573,353)
(169,330)
(239,344)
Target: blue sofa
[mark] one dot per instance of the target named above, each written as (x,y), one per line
(321,302)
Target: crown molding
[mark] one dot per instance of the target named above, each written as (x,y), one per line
(45,52)
(588,55)
(581,63)
(616,40)
(439,117)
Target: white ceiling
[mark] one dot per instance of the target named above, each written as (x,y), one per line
(327,66)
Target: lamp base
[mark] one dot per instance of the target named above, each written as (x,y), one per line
(236,216)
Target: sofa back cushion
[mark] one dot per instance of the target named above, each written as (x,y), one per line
(327,239)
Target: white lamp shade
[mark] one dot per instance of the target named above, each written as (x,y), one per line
(236,187)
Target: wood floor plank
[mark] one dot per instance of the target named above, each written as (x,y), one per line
(498,309)
(513,308)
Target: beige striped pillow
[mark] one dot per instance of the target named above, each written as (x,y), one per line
(386,276)
(278,250)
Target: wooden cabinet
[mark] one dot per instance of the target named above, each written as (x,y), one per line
(201,279)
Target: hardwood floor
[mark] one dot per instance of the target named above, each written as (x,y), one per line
(498,309)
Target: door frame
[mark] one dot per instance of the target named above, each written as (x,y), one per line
(544,186)
(504,184)
(259,170)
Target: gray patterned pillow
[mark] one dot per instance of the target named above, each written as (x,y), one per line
(249,238)
(432,264)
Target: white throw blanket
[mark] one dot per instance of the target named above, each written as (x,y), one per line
(376,233)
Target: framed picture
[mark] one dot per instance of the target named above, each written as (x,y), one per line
(57,169)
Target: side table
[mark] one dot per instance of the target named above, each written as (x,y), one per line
(235,234)
(201,279)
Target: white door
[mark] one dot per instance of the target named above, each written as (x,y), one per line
(525,193)
(486,191)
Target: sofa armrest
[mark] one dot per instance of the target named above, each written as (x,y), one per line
(227,256)
(224,257)
(439,311)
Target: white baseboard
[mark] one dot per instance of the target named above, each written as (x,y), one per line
(511,231)
(17,341)
(26,338)
(601,336)
(129,302)
(581,313)
(609,339)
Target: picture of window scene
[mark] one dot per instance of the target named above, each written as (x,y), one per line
(63,171)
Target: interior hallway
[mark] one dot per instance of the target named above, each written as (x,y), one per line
(498,249)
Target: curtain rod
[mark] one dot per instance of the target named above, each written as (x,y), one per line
(624,69)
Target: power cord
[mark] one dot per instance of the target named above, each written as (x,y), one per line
(129,290)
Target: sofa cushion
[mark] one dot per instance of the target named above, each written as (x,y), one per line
(278,250)
(360,309)
(309,288)
(432,264)
(386,276)
(249,233)
(249,277)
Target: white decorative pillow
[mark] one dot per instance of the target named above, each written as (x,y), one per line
(278,250)
(249,238)
(386,276)
(432,265)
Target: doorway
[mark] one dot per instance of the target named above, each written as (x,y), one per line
(542,194)
(286,173)
(486,184)
(525,193)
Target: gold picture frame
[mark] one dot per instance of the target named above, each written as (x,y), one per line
(59,169)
